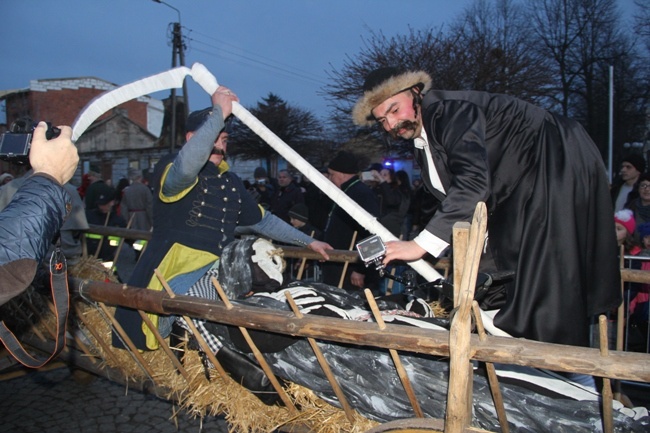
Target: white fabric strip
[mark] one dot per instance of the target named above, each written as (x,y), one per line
(101,104)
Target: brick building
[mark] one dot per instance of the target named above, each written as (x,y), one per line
(125,138)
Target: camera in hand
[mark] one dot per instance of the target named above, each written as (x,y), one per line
(372,250)
(15,143)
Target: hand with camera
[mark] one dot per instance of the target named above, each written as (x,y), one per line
(57,157)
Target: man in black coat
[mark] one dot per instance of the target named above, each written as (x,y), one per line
(543,180)
(341,227)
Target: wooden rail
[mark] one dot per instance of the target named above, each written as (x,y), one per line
(618,365)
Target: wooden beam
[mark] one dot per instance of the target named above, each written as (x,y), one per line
(517,351)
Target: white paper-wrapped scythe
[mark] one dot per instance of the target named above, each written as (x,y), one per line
(173,78)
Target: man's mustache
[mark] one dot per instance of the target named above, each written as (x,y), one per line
(216,151)
(404,124)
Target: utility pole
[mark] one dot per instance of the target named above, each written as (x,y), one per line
(178,57)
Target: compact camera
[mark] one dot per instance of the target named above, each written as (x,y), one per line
(372,250)
(15,143)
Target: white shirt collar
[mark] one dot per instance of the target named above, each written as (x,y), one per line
(421,141)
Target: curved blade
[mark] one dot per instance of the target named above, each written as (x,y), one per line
(172,78)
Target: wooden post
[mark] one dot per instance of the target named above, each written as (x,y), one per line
(120,245)
(163,344)
(345,265)
(620,322)
(101,241)
(199,338)
(401,372)
(492,374)
(303,262)
(459,244)
(108,353)
(134,350)
(459,409)
(608,416)
(258,355)
(349,412)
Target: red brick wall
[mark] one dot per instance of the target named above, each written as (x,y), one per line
(61,107)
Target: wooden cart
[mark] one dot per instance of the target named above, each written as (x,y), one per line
(91,350)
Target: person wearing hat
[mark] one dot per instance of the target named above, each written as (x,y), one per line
(624,189)
(286,195)
(299,218)
(341,227)
(643,231)
(103,215)
(264,187)
(543,181)
(625,226)
(95,184)
(198,205)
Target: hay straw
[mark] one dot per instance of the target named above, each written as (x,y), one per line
(199,397)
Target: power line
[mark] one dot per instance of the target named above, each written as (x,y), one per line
(265,64)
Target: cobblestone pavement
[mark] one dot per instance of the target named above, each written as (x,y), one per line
(55,402)
(58,401)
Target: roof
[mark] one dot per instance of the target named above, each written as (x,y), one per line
(5,93)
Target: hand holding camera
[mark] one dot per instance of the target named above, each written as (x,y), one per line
(56,157)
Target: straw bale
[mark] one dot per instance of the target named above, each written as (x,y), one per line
(200,397)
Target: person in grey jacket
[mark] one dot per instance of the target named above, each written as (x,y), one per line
(198,205)
(32,219)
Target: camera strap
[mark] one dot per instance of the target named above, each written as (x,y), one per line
(61,297)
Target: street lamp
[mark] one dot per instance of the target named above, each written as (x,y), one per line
(177,47)
(170,6)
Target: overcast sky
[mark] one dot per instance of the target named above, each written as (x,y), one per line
(253,46)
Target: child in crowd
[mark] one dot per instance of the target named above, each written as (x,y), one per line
(625,225)
(299,218)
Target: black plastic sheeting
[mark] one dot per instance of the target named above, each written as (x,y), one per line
(370,382)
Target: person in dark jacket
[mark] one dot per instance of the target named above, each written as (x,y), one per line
(341,228)
(104,214)
(287,195)
(299,218)
(544,184)
(36,212)
(625,187)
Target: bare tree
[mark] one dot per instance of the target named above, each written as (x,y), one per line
(582,38)
(642,21)
(297,127)
(495,43)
